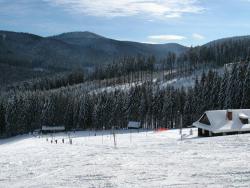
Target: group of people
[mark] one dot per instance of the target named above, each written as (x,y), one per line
(55,140)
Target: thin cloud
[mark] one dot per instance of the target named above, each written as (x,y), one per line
(165,38)
(120,8)
(198,36)
(149,42)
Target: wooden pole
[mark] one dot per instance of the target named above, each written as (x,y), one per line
(114,136)
(130,136)
(103,128)
(181,126)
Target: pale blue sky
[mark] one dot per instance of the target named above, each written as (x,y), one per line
(188,22)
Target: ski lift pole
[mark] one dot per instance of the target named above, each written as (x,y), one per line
(70,139)
(130,135)
(180,123)
(114,137)
(181,126)
(103,128)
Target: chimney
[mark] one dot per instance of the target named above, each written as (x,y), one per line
(230,115)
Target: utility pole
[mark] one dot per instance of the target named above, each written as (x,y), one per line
(181,125)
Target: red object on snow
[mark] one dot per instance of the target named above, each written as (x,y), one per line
(161,129)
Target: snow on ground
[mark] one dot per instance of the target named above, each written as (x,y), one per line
(188,81)
(145,159)
(180,82)
(109,89)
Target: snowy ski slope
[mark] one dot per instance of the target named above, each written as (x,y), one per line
(146,159)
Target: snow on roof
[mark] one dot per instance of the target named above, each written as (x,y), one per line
(134,124)
(55,128)
(243,116)
(220,123)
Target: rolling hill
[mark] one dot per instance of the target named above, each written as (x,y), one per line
(72,50)
(24,56)
(227,40)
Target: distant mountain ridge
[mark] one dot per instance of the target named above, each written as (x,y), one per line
(72,50)
(24,56)
(77,34)
(116,48)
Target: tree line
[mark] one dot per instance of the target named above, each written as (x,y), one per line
(149,103)
(218,53)
(72,100)
(134,69)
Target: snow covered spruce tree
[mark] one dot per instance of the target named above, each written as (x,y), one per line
(245,103)
(2,118)
(232,89)
(223,88)
(85,106)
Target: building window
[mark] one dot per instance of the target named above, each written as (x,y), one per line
(204,120)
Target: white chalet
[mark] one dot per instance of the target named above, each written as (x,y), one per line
(223,122)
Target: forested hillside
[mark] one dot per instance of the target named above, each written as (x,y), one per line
(78,107)
(25,56)
(37,55)
(128,88)
(219,52)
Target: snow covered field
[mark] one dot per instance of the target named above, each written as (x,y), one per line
(140,160)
